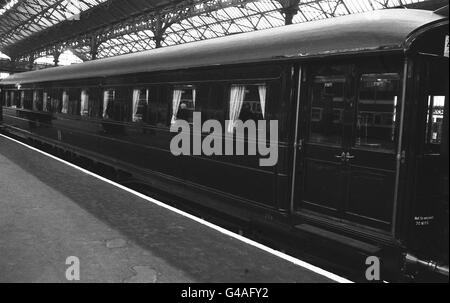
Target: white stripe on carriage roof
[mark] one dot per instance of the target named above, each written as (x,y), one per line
(274,252)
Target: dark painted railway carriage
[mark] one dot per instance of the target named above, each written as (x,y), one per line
(362,105)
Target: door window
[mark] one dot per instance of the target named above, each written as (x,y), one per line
(377,111)
(327,107)
(435,117)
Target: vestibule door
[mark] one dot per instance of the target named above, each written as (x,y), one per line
(348,133)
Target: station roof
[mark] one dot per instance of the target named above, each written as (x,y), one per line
(29,25)
(381,30)
(28,21)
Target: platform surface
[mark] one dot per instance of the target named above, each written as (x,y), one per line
(50,211)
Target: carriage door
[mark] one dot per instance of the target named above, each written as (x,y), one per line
(349,151)
(372,156)
(321,182)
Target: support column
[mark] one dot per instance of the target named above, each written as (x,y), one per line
(158,41)
(94,47)
(13,61)
(31,62)
(158,31)
(289,10)
(56,55)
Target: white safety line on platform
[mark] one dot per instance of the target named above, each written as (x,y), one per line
(279,254)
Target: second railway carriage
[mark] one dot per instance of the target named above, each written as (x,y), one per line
(362,108)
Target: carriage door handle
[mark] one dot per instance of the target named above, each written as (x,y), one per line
(348,157)
(342,156)
(299,145)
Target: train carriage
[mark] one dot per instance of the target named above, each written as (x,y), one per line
(362,108)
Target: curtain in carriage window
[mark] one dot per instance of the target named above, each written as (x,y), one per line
(237,95)
(45,102)
(177,93)
(35,100)
(140,101)
(14,102)
(262,98)
(7,99)
(194,96)
(84,108)
(108,97)
(136,97)
(143,102)
(65,103)
(22,99)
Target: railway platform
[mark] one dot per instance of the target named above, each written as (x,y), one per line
(50,211)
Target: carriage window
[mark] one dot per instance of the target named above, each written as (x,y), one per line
(435,118)
(117,104)
(54,103)
(140,104)
(21,96)
(21,99)
(46,105)
(108,98)
(93,100)
(377,111)
(211,101)
(74,102)
(37,100)
(327,107)
(65,102)
(7,99)
(158,109)
(26,99)
(15,99)
(183,104)
(84,103)
(247,102)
